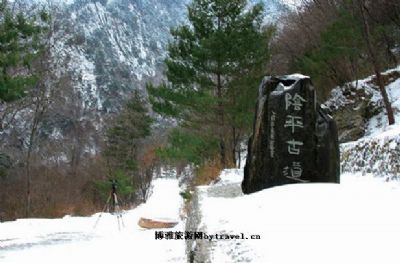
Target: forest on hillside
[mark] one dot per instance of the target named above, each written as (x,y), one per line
(194,118)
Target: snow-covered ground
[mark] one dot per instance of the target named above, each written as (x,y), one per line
(357,221)
(74,239)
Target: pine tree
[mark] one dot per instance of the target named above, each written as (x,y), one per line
(20,43)
(124,140)
(213,68)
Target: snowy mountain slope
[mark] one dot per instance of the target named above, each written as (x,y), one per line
(73,239)
(101,51)
(378,152)
(115,46)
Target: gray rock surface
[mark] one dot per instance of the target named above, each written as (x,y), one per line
(351,107)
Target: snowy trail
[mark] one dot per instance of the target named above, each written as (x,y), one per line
(356,221)
(73,239)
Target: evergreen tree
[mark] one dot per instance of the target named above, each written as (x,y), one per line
(124,140)
(20,43)
(339,43)
(213,68)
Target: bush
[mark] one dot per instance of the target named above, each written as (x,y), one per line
(186,195)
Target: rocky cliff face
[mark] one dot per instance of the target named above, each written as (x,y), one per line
(357,106)
(369,145)
(111,47)
(352,105)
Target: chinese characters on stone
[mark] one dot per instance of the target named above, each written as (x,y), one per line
(294,122)
(272,135)
(296,101)
(294,171)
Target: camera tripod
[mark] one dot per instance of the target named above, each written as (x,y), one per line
(112,206)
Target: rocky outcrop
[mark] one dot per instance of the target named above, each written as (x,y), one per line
(351,106)
(372,147)
(294,139)
(355,103)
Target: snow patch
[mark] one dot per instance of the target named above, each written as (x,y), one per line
(356,221)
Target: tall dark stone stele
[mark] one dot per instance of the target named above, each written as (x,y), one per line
(294,140)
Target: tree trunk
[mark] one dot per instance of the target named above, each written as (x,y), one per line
(234,146)
(240,157)
(28,168)
(40,108)
(28,186)
(221,125)
(375,63)
(221,113)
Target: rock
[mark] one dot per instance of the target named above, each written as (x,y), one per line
(294,140)
(350,123)
(351,107)
(154,224)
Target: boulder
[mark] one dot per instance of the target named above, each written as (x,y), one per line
(294,140)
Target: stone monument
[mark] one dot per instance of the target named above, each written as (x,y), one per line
(294,140)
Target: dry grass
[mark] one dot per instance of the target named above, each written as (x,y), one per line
(54,192)
(208,172)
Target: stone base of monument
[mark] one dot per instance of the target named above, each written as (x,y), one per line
(156,223)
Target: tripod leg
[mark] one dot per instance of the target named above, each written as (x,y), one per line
(104,209)
(121,218)
(115,209)
(118,213)
(119,225)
